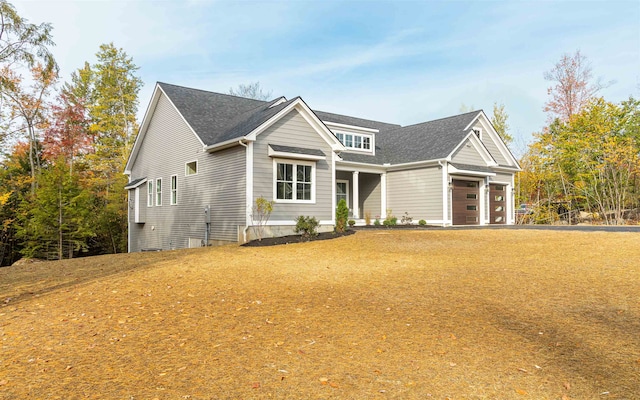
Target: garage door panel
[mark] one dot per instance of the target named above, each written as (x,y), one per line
(465,201)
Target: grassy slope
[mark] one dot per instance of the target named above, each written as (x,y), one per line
(375,315)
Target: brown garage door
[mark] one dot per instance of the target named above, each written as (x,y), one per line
(498,203)
(465,202)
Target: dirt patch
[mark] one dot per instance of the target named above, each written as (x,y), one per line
(290,239)
(380,314)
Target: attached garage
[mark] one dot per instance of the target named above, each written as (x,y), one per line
(497,203)
(465,202)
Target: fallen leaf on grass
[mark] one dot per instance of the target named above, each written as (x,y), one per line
(323,380)
(334,385)
(521,392)
(255,385)
(3,382)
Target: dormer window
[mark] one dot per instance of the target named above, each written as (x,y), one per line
(355,141)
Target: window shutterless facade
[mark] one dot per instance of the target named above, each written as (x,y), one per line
(174,190)
(150,193)
(158,192)
(294,181)
(191,168)
(355,141)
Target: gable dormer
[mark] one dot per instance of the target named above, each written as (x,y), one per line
(355,139)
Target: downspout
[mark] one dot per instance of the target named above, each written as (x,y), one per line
(246,228)
(445,199)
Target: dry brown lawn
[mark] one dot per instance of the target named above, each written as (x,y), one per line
(408,315)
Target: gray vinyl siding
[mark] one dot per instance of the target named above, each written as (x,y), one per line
(493,149)
(467,154)
(501,177)
(292,130)
(220,183)
(370,191)
(416,191)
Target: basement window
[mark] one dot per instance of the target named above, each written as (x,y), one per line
(192,168)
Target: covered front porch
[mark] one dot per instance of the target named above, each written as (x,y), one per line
(365,193)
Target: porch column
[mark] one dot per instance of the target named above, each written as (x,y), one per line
(383,195)
(356,197)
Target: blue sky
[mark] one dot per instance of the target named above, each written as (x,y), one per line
(403,61)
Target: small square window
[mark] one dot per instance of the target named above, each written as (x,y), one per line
(472,208)
(499,187)
(192,168)
(499,198)
(472,196)
(499,209)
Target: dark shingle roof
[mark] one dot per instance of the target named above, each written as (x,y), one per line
(297,150)
(470,167)
(134,183)
(346,120)
(214,116)
(431,140)
(217,118)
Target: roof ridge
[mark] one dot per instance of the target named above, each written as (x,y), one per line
(364,119)
(443,118)
(217,93)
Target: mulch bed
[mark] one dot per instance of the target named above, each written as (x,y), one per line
(273,241)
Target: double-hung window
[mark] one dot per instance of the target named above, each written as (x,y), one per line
(174,190)
(294,181)
(158,192)
(150,193)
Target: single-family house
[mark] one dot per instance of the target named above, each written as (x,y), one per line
(201,159)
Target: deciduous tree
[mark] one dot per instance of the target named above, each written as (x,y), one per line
(250,91)
(572,86)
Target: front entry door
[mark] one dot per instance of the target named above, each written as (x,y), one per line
(498,203)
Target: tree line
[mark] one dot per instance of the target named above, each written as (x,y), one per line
(585,164)
(64,146)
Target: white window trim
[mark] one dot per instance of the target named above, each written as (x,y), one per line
(150,192)
(343,181)
(277,161)
(172,190)
(159,192)
(372,144)
(186,168)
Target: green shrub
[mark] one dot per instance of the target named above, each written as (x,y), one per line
(352,222)
(390,219)
(342,215)
(422,222)
(376,222)
(307,226)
